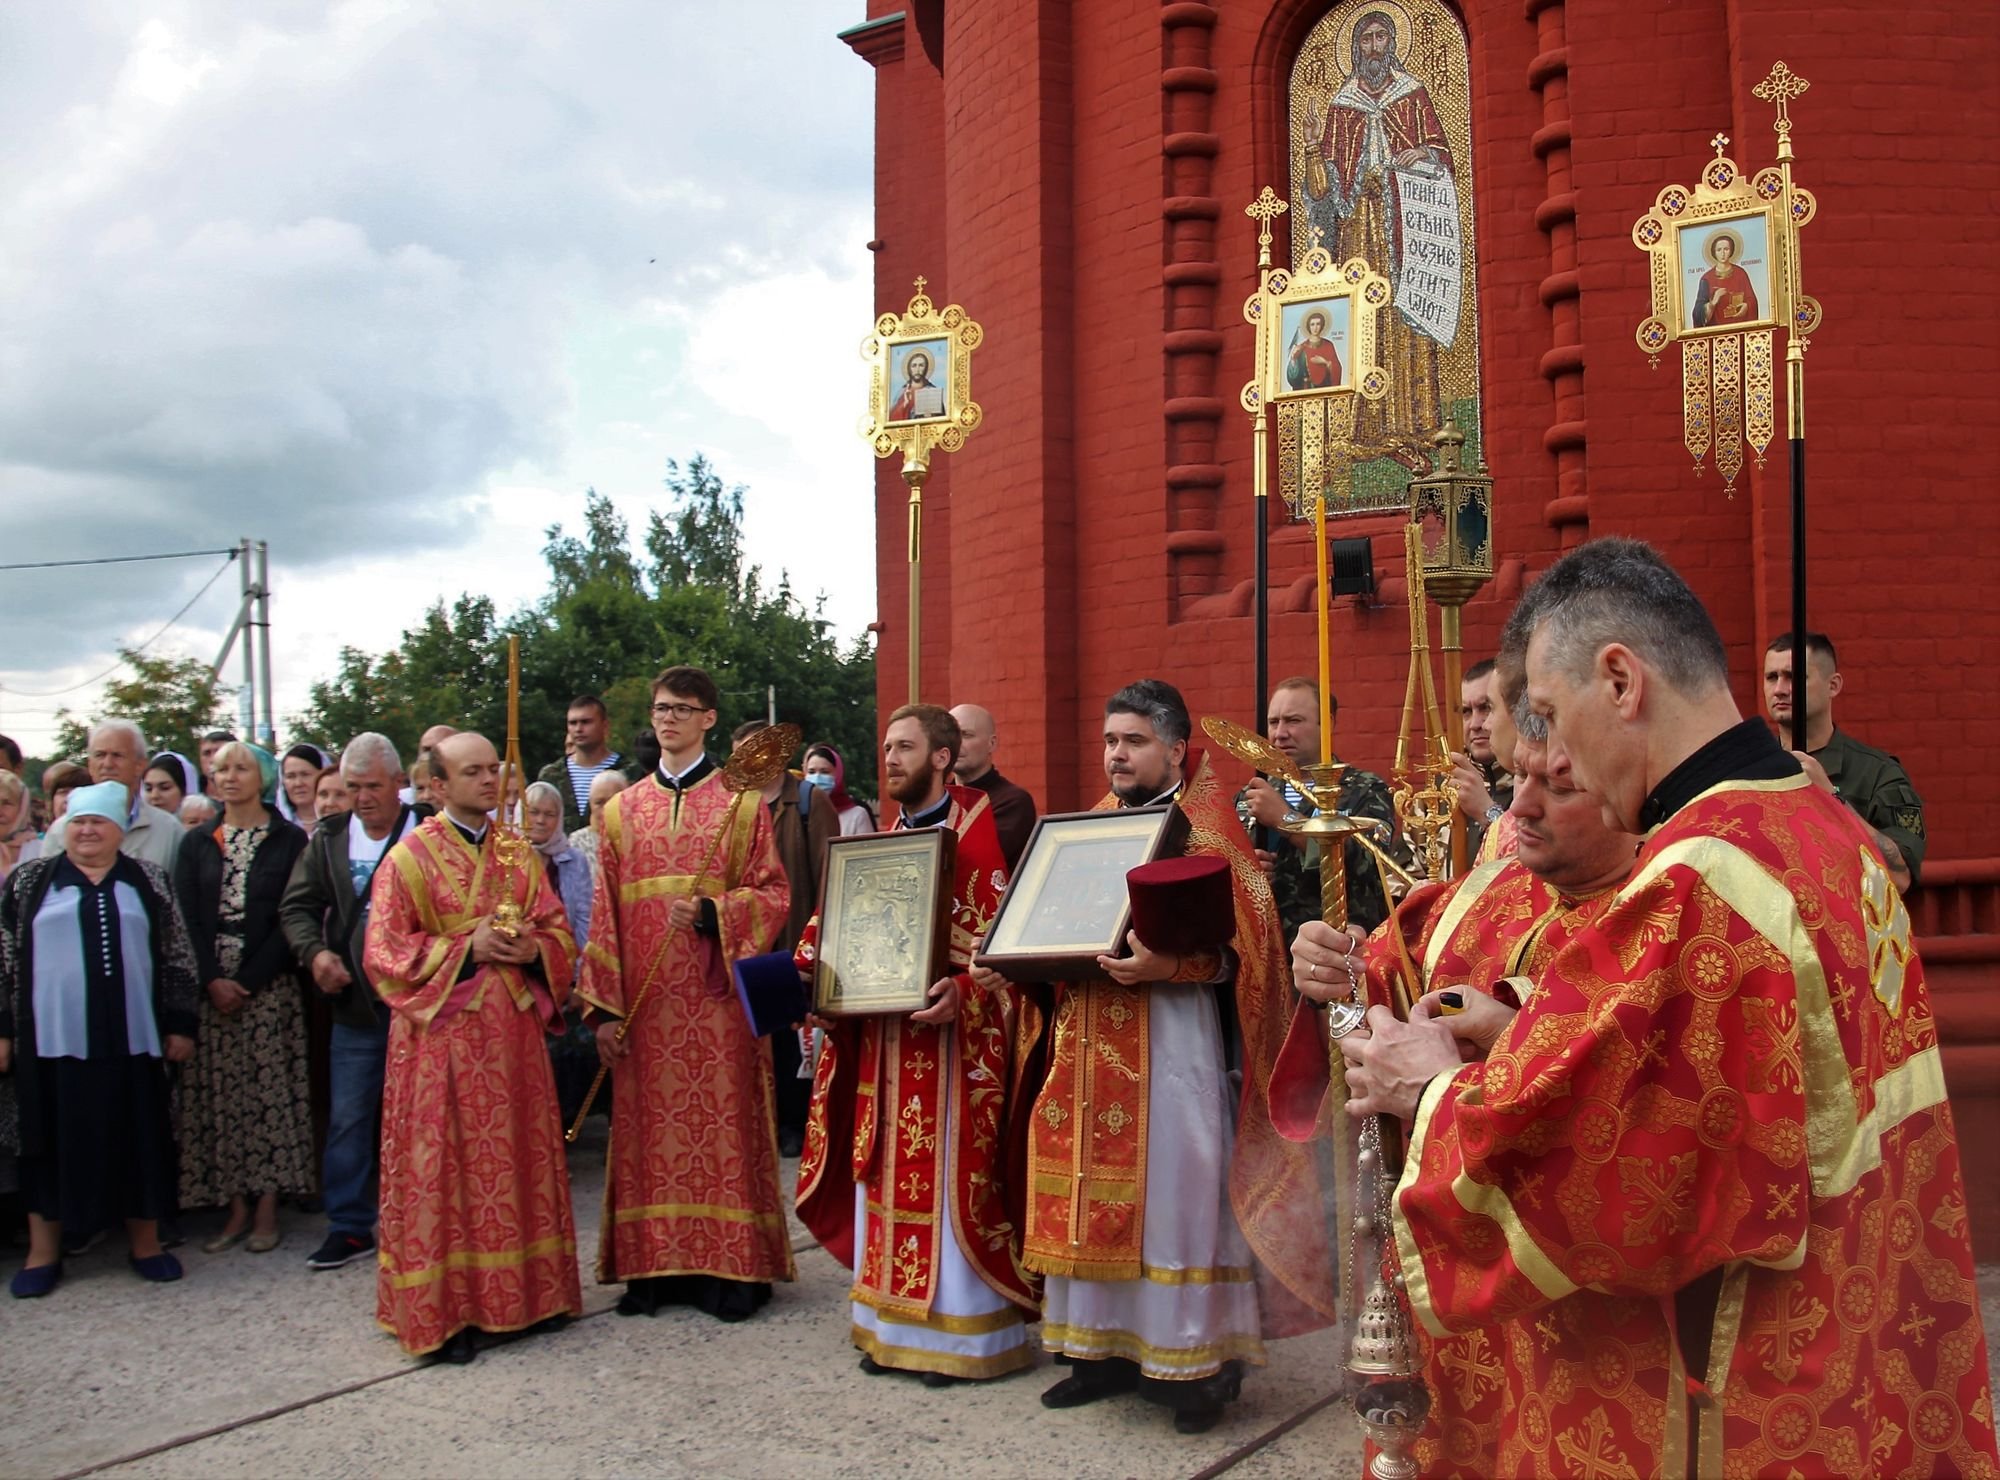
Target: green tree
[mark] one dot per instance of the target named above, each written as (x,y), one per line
(174,700)
(611,619)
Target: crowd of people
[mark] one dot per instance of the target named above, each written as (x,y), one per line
(1663,1052)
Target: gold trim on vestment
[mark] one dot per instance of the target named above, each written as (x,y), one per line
(1055,1184)
(1416,1279)
(1729,1303)
(1674,1434)
(917,1359)
(1225,1274)
(1457,908)
(430,1274)
(1833,1122)
(1913,1086)
(986,1325)
(1185,1363)
(654,886)
(699,1210)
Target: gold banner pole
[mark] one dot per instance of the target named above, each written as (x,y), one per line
(915,472)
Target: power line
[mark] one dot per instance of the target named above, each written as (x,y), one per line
(116,559)
(58,693)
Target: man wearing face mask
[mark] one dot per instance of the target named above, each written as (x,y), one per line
(1174,1227)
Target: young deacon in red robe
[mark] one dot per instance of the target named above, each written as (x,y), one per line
(1174,1226)
(688,881)
(1503,921)
(1702,1193)
(476,1227)
(902,1178)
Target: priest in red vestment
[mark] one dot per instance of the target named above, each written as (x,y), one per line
(1490,931)
(476,1229)
(1703,1192)
(1174,1227)
(688,880)
(902,1178)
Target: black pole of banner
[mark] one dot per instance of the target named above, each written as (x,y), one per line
(1799,591)
(1263,614)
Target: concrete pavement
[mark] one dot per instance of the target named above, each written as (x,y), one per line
(255,1366)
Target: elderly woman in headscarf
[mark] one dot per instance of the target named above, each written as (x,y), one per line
(246,1120)
(299,771)
(97,990)
(826,770)
(567,869)
(170,780)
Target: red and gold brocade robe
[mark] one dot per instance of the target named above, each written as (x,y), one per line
(877,1093)
(476,1223)
(1721,1106)
(1495,923)
(1086,1196)
(691,1178)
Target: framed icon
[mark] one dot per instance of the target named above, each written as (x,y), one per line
(1068,903)
(1724,277)
(884,922)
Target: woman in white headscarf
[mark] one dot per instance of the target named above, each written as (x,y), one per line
(170,780)
(298,777)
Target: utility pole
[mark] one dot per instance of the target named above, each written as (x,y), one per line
(270,729)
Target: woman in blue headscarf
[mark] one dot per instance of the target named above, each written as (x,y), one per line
(97,992)
(246,1120)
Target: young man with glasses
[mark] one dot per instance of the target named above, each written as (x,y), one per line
(688,881)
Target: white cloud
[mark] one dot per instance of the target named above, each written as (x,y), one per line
(388,284)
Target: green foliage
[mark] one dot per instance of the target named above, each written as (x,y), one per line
(606,625)
(174,700)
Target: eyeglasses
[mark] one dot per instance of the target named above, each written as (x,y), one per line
(680,711)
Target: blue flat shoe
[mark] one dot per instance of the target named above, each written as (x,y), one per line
(160,1269)
(31,1284)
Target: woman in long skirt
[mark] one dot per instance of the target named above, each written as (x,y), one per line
(97,992)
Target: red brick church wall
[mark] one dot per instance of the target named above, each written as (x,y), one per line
(1074,174)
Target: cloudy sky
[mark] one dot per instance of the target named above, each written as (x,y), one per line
(389,283)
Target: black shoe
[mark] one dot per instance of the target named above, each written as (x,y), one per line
(460,1349)
(1197,1420)
(1089,1381)
(731,1301)
(791,1142)
(641,1298)
(872,1367)
(938,1379)
(341,1249)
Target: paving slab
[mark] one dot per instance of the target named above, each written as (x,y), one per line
(254,1366)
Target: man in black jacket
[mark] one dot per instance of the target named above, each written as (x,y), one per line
(325,915)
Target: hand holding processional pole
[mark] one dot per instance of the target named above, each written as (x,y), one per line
(754,764)
(920,401)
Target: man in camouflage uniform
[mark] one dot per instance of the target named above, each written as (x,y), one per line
(1292,861)
(1872,782)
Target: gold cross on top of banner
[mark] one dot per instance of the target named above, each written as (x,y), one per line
(921,280)
(1719,143)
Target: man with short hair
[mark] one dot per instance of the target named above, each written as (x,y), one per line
(1713,1149)
(476,1232)
(423,775)
(1870,781)
(325,914)
(213,741)
(117,752)
(587,755)
(688,881)
(1014,810)
(912,1195)
(1173,1226)
(1292,860)
(199,811)
(1478,773)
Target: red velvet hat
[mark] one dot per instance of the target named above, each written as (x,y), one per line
(1182,904)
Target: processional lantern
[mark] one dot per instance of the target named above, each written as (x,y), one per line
(920,402)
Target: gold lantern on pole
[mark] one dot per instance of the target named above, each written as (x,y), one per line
(1452,509)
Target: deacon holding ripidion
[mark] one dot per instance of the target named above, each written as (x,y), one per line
(689,880)
(1702,1193)
(1173,1224)
(902,1178)
(476,1231)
